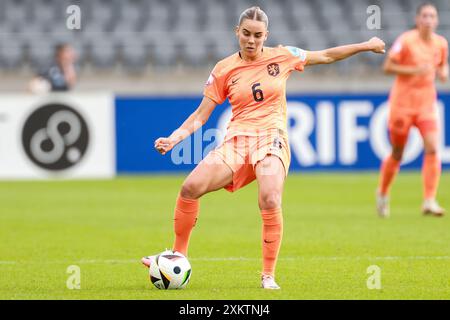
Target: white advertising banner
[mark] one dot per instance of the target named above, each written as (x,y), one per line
(57,136)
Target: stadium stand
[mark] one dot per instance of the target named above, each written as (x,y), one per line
(136,34)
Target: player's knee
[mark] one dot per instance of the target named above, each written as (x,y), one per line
(270,200)
(430,149)
(192,189)
(397,153)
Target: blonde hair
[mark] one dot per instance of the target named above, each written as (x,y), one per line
(423,5)
(254,13)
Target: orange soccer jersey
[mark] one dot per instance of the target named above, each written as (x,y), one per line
(257,93)
(256,90)
(412,101)
(417,92)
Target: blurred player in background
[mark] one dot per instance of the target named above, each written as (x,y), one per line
(60,76)
(256,145)
(416,58)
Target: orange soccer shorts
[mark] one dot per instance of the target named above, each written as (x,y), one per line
(401,121)
(242,153)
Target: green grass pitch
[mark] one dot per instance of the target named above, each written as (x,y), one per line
(331,236)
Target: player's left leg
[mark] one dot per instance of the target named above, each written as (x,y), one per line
(270,174)
(431,169)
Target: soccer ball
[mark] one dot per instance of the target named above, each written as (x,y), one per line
(169,270)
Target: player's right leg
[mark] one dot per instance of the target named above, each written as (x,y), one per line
(388,171)
(398,130)
(211,174)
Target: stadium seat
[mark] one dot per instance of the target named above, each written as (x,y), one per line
(194,32)
(165,51)
(134,54)
(40,54)
(11,53)
(102,54)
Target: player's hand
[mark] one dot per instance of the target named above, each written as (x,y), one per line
(423,69)
(163,145)
(376,45)
(442,73)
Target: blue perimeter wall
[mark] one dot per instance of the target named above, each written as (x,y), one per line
(328,132)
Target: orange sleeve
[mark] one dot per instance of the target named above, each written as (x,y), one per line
(444,60)
(296,58)
(398,50)
(215,87)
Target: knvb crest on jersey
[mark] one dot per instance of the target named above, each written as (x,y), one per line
(273,69)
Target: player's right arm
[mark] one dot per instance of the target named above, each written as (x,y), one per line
(194,122)
(392,67)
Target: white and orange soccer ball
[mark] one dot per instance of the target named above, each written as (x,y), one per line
(170,270)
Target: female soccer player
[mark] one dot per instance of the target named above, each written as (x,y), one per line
(416,57)
(256,144)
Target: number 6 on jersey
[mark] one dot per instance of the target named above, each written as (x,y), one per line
(257,93)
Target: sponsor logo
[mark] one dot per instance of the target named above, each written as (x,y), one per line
(55,137)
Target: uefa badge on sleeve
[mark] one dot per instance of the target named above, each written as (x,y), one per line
(210,80)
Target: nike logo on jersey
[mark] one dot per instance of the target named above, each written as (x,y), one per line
(234,81)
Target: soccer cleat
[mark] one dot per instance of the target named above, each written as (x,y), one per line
(268,282)
(432,208)
(382,205)
(146,261)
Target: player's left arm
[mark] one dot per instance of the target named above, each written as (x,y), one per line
(331,55)
(442,73)
(442,70)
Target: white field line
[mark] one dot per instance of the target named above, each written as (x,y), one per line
(219,259)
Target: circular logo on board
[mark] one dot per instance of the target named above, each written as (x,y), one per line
(55,137)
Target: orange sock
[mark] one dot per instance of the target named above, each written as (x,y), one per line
(272,234)
(389,170)
(186,213)
(431,172)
